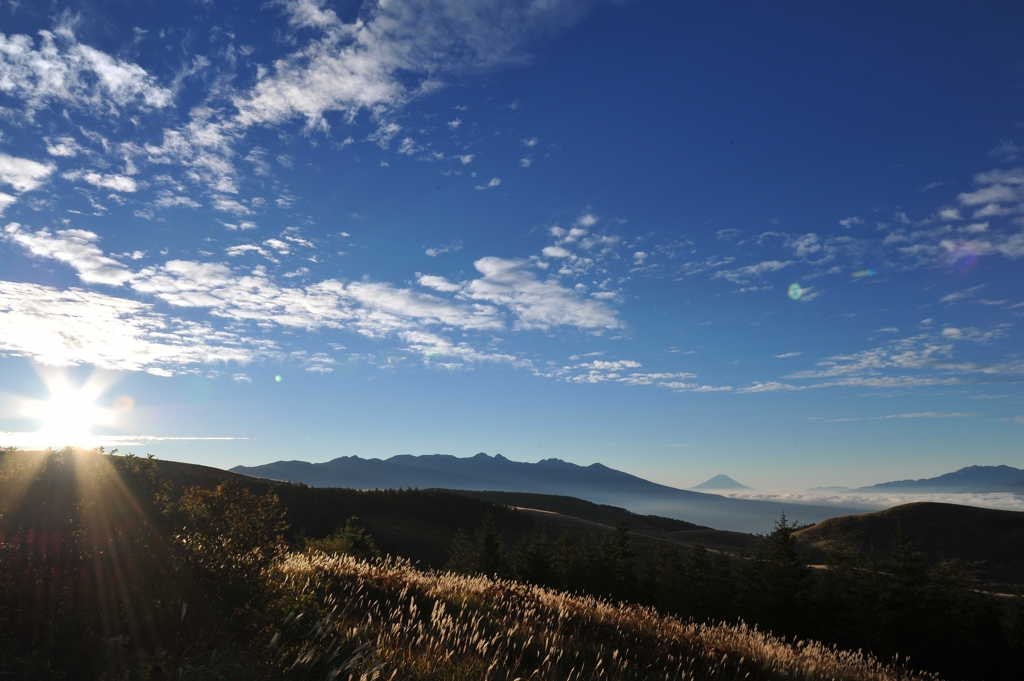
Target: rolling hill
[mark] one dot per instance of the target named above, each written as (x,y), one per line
(596,483)
(421,524)
(990,541)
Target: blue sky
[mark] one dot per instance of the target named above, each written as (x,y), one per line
(681,239)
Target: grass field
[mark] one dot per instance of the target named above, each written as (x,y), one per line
(388,620)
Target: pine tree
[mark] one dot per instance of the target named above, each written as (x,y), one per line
(351,539)
(461,555)
(666,578)
(534,560)
(618,556)
(491,558)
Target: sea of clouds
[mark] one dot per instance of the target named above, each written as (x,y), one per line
(877,501)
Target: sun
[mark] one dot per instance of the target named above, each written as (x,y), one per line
(69,415)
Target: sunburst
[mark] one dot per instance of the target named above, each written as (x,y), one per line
(70,413)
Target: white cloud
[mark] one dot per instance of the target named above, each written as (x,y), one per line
(119,183)
(166,199)
(203,146)
(536,303)
(851,221)
(612,366)
(438,283)
(65,147)
(372,309)
(525,162)
(5,201)
(928,353)
(960,295)
(788,354)
(695,387)
(317,362)
(65,71)
(453,247)
(242,249)
(21,173)
(770,387)
(76,247)
(1007,150)
(72,327)
(997,187)
(1014,176)
(495,181)
(586,220)
(465,158)
(932,415)
(996,193)
(409,147)
(257,157)
(229,205)
(433,347)
(454,125)
(532,142)
(556,252)
(742,275)
(387,309)
(280,246)
(810,246)
(394,52)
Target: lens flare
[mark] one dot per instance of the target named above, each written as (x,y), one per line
(863,273)
(795,291)
(962,256)
(124,404)
(277,378)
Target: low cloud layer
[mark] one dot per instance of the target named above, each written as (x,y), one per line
(875,502)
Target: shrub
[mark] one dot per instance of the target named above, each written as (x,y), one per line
(231,539)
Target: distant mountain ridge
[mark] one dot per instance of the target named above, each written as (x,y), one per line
(721,482)
(972,479)
(596,483)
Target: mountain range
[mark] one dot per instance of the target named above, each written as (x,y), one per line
(969,480)
(596,483)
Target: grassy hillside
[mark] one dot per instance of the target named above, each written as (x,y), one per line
(989,540)
(388,620)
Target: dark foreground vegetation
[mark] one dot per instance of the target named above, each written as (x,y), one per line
(108,570)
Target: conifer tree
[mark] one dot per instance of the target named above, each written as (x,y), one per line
(534,560)
(491,558)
